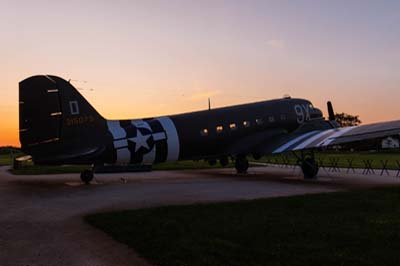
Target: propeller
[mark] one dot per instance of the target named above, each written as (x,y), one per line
(330,111)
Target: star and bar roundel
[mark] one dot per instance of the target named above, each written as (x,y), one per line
(144,141)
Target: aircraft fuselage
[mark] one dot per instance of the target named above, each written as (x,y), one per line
(206,134)
(58,126)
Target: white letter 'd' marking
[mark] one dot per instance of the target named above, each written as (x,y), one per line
(74,107)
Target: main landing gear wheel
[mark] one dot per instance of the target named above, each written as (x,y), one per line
(310,168)
(241,164)
(87,176)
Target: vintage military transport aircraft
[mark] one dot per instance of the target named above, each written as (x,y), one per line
(58,126)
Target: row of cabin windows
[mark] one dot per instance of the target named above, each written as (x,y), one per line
(233,126)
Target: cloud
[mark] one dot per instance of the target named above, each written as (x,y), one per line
(204,95)
(278,44)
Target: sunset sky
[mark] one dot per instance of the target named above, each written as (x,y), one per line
(146,58)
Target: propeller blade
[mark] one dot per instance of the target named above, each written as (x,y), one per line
(330,111)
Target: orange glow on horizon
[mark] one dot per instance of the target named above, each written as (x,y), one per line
(136,59)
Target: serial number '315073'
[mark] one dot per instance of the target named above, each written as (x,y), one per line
(79,120)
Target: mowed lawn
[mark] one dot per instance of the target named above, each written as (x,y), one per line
(326,158)
(6,159)
(344,159)
(31,169)
(344,228)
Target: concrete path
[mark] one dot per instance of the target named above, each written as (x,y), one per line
(41,216)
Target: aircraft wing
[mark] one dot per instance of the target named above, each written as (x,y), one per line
(334,136)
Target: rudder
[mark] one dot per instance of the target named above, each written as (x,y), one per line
(54,115)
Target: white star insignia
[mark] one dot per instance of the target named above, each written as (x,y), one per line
(141,141)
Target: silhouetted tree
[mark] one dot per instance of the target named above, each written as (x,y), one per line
(346,120)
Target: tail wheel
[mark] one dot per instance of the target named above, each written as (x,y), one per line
(87,176)
(241,164)
(310,168)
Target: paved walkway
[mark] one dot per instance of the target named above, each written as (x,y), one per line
(41,216)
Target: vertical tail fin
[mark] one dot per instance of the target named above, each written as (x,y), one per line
(56,117)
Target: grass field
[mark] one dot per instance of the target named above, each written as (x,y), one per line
(49,169)
(343,158)
(187,165)
(64,169)
(344,228)
(6,159)
(376,158)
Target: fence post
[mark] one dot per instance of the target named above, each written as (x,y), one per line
(334,166)
(368,167)
(398,168)
(384,167)
(350,166)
